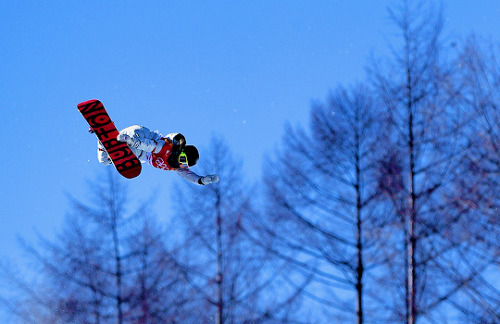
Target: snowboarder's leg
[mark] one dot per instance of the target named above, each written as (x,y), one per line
(102,155)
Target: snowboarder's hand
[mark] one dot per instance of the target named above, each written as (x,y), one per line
(209,179)
(123,138)
(132,142)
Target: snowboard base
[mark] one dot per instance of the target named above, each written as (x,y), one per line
(124,160)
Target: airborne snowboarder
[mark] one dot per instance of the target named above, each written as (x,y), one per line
(163,152)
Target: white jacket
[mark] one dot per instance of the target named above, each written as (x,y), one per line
(147,142)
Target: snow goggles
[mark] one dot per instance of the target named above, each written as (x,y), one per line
(183,160)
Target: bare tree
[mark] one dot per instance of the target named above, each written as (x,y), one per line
(321,191)
(411,92)
(229,271)
(478,84)
(105,266)
(425,153)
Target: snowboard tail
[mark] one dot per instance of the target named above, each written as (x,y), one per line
(124,160)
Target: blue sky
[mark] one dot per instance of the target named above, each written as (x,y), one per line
(238,69)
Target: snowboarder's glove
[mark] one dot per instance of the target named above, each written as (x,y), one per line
(209,179)
(123,138)
(132,142)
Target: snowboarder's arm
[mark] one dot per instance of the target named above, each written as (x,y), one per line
(196,179)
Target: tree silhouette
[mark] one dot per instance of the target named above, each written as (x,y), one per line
(321,189)
(231,274)
(105,266)
(420,173)
(477,183)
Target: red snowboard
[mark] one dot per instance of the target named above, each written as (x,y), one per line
(123,158)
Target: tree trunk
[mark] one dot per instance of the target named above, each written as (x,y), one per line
(412,306)
(118,273)
(359,235)
(219,279)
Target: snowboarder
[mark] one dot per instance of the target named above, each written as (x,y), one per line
(166,153)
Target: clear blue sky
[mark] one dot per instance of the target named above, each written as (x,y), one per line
(239,69)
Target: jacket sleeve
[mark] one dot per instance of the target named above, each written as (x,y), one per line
(189,176)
